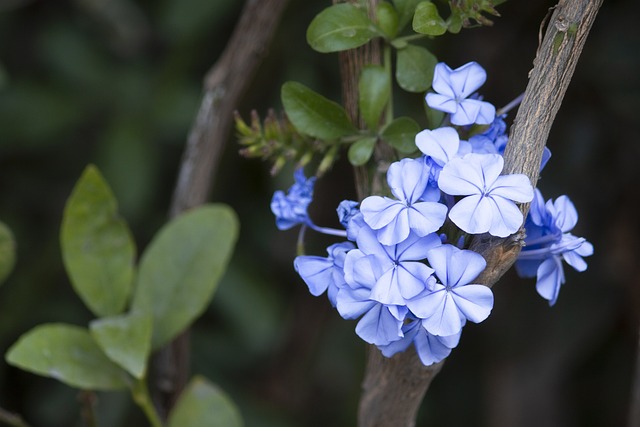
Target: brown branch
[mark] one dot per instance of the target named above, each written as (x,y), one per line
(393,388)
(224,85)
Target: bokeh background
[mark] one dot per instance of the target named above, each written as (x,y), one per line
(117,83)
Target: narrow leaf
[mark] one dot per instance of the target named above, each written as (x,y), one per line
(340,27)
(406,10)
(401,134)
(7,252)
(427,20)
(374,89)
(204,404)
(69,354)
(126,340)
(97,248)
(314,115)
(414,69)
(181,268)
(360,151)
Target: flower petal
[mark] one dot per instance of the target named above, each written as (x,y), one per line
(507,218)
(474,301)
(386,289)
(353,303)
(396,231)
(442,80)
(440,144)
(407,179)
(441,102)
(412,278)
(516,187)
(473,214)
(380,211)
(379,327)
(429,348)
(426,217)
(446,319)
(467,79)
(315,271)
(550,279)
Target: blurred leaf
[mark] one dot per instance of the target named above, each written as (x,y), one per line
(126,340)
(360,151)
(401,134)
(434,117)
(414,68)
(374,89)
(182,21)
(69,354)
(387,18)
(180,270)
(203,404)
(406,10)
(97,248)
(454,23)
(314,115)
(4,77)
(427,20)
(340,27)
(7,252)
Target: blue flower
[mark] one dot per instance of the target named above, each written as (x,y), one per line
(549,242)
(453,89)
(291,209)
(489,205)
(324,274)
(450,302)
(380,324)
(430,348)
(394,219)
(400,276)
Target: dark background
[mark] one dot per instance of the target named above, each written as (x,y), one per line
(118,83)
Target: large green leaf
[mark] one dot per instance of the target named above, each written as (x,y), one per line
(406,10)
(314,115)
(428,21)
(203,404)
(414,69)
(126,340)
(360,151)
(401,134)
(7,252)
(374,89)
(340,27)
(180,270)
(387,17)
(69,354)
(97,247)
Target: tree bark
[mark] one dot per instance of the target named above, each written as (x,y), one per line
(224,85)
(393,388)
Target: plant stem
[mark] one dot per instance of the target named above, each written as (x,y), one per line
(10,419)
(140,394)
(387,67)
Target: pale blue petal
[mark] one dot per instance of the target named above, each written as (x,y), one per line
(427,303)
(441,102)
(446,319)
(466,113)
(368,243)
(451,341)
(439,258)
(380,211)
(379,327)
(353,303)
(408,179)
(474,301)
(410,331)
(467,79)
(537,210)
(507,218)
(387,290)
(461,177)
(463,266)
(516,187)
(426,217)
(412,278)
(473,214)
(586,249)
(396,231)
(442,80)
(566,215)
(440,144)
(317,272)
(550,279)
(415,247)
(429,348)
(487,113)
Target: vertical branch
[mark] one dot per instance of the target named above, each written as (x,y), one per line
(393,388)
(634,409)
(224,85)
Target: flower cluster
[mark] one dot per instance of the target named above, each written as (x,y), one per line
(404,271)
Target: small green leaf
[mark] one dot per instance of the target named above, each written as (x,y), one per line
(126,340)
(340,27)
(374,89)
(204,404)
(180,270)
(414,68)
(387,19)
(7,252)
(360,151)
(401,134)
(314,115)
(454,23)
(97,248)
(69,354)
(406,10)
(427,20)
(434,117)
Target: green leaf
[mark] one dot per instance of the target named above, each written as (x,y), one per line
(401,134)
(180,270)
(387,18)
(203,404)
(126,340)
(340,27)
(374,89)
(427,20)
(434,117)
(414,68)
(454,23)
(314,115)
(406,10)
(7,252)
(97,248)
(69,354)
(360,151)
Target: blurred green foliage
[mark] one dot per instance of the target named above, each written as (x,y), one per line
(76,89)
